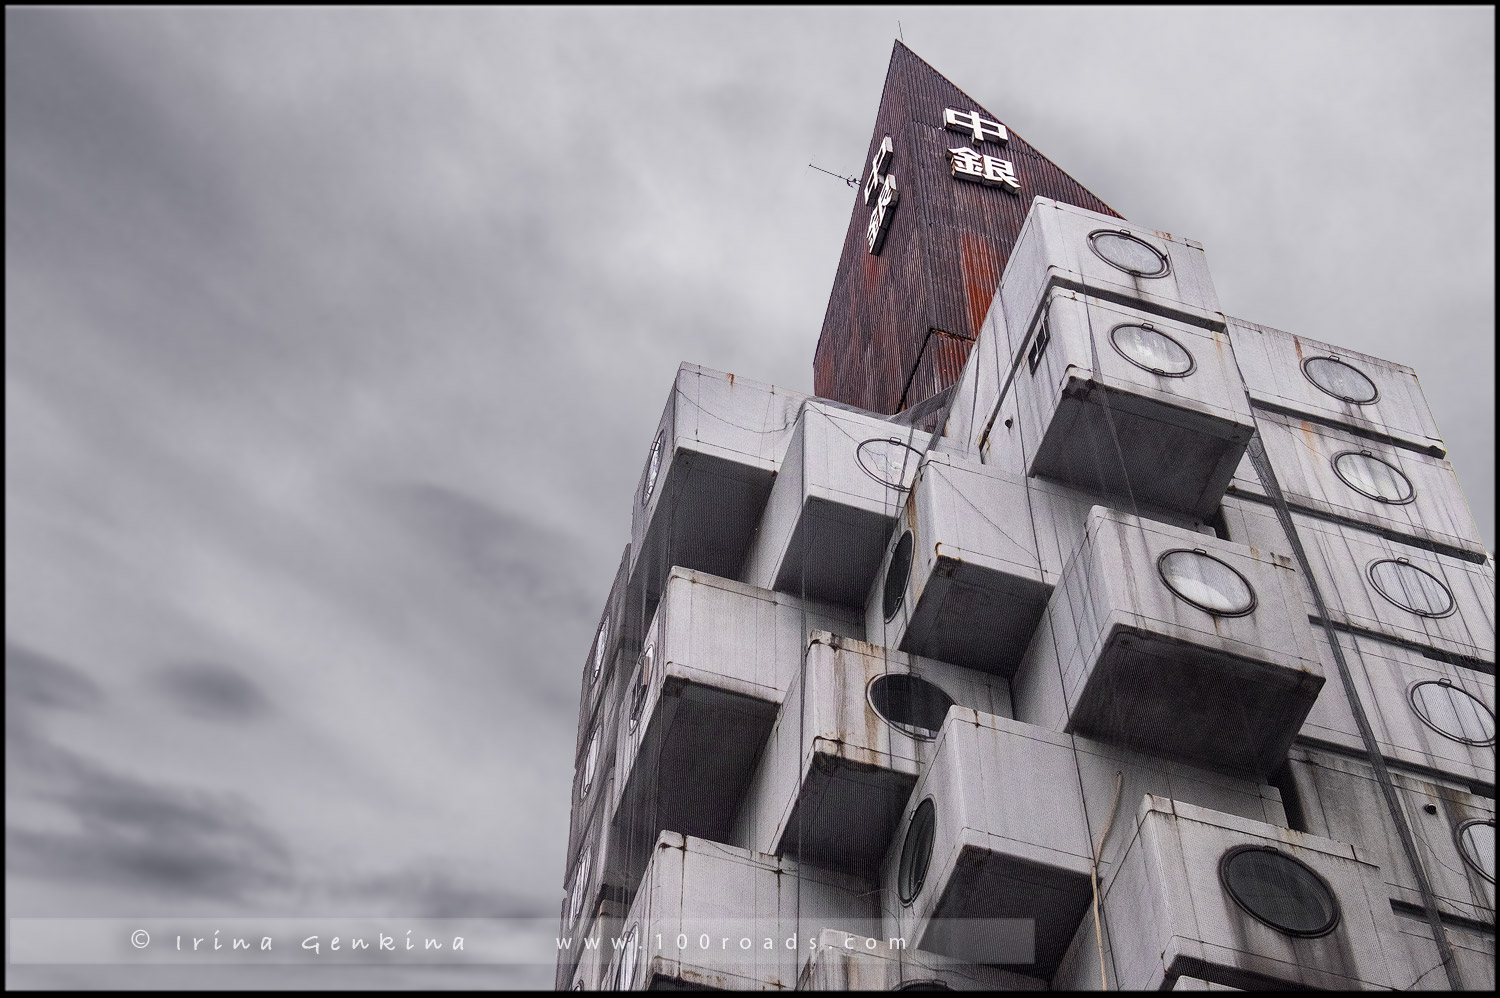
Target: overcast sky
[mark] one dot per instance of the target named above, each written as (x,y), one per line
(335,341)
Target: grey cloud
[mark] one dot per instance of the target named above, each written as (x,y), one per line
(212,691)
(138,835)
(433,892)
(33,680)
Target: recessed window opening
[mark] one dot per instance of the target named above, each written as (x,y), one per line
(910,704)
(896,576)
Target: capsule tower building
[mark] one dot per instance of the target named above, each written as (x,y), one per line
(1076,635)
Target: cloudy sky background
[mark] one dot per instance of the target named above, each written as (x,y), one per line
(335,341)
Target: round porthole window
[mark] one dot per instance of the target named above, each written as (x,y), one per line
(1476,843)
(638,699)
(1373,478)
(580,887)
(916,851)
(1146,347)
(1280,891)
(1207,583)
(599,642)
(889,461)
(1411,588)
(910,704)
(896,576)
(1453,712)
(590,764)
(923,986)
(1343,381)
(1129,253)
(653,467)
(630,955)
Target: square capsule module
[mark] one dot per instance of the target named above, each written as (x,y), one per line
(709,916)
(1061,245)
(991,861)
(853,733)
(961,581)
(715,664)
(1394,590)
(708,472)
(1337,474)
(1121,402)
(1425,713)
(839,490)
(1243,904)
(1175,643)
(1375,398)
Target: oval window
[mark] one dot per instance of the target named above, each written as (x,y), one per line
(1411,588)
(1373,477)
(1280,891)
(1341,380)
(643,687)
(599,642)
(1453,712)
(629,956)
(916,851)
(653,466)
(890,461)
(924,986)
(1207,583)
(1129,253)
(580,887)
(896,576)
(910,704)
(1476,843)
(1146,347)
(590,763)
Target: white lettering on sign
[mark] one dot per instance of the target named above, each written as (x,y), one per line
(877,169)
(880,218)
(880,190)
(970,165)
(983,129)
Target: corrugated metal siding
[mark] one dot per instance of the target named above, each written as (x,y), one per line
(943,255)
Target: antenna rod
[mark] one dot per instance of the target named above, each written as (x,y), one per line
(851,181)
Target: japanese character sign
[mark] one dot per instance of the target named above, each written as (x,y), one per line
(880,190)
(880,218)
(982,129)
(971,165)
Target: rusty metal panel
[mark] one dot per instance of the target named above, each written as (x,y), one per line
(942,256)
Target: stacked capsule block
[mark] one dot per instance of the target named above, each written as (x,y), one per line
(848,745)
(1402,589)
(1122,379)
(894,701)
(716,662)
